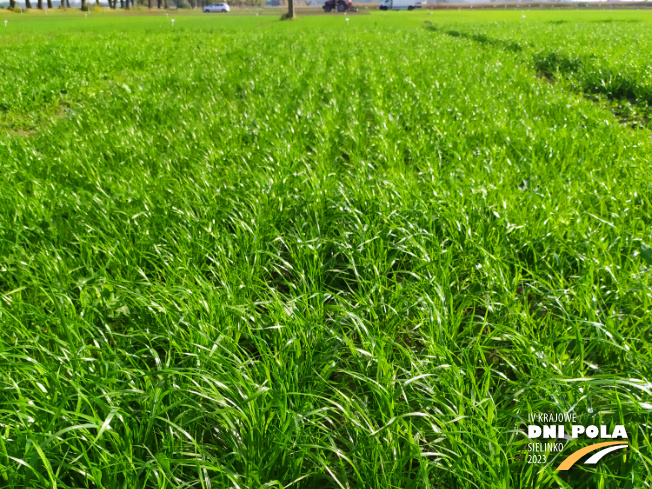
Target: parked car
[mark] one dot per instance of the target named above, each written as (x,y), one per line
(400,4)
(339,5)
(217,7)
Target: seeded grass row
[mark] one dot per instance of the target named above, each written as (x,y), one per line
(239,252)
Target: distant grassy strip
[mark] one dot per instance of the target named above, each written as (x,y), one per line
(482,39)
(631,100)
(593,78)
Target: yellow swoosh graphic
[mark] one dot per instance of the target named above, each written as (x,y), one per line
(575,456)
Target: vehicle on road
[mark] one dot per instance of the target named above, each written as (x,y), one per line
(400,4)
(338,5)
(217,8)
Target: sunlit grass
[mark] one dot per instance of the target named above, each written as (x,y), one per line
(237,253)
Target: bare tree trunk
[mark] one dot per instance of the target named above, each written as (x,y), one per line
(83,4)
(39,4)
(49,3)
(12,3)
(68,3)
(158,3)
(290,9)
(28,4)
(149,4)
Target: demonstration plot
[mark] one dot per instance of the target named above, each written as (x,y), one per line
(235,254)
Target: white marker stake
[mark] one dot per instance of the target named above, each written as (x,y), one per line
(347,20)
(172,22)
(6,23)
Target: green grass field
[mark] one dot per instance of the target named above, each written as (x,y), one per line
(243,253)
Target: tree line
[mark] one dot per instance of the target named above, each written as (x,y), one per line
(128,4)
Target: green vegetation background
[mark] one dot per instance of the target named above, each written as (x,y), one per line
(239,252)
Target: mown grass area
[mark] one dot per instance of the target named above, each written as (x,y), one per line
(240,252)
